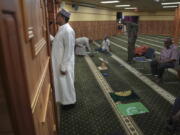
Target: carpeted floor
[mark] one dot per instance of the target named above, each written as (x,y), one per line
(94,116)
(151,123)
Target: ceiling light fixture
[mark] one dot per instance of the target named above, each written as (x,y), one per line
(169,6)
(107,2)
(122,5)
(156,0)
(170,3)
(131,8)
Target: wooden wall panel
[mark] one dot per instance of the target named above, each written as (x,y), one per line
(94,29)
(38,71)
(43,114)
(35,59)
(53,7)
(156,27)
(36,62)
(12,68)
(5,122)
(177,25)
(26,68)
(51,15)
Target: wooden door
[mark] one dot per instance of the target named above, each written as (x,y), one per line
(5,124)
(53,7)
(26,70)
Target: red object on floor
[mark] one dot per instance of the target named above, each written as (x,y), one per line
(139,51)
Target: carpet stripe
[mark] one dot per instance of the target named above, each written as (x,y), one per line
(127,122)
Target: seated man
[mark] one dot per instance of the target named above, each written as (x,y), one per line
(105,46)
(82,43)
(174,118)
(168,59)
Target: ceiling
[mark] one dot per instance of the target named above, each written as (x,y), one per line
(143,5)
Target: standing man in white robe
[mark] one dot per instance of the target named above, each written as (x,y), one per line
(83,43)
(63,61)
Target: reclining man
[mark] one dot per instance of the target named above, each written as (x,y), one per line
(168,59)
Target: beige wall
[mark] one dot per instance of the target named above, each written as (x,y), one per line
(156,16)
(90,14)
(97,14)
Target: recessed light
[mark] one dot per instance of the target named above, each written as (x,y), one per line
(122,5)
(169,6)
(131,8)
(170,3)
(107,2)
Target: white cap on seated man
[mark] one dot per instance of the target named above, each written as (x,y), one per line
(83,45)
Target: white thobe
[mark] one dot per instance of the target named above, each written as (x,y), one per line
(106,45)
(63,60)
(81,44)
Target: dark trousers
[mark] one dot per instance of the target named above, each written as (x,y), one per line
(131,48)
(158,68)
(102,51)
(176,106)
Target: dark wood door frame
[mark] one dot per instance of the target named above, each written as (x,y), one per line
(50,67)
(12,69)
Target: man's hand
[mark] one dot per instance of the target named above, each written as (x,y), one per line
(63,72)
